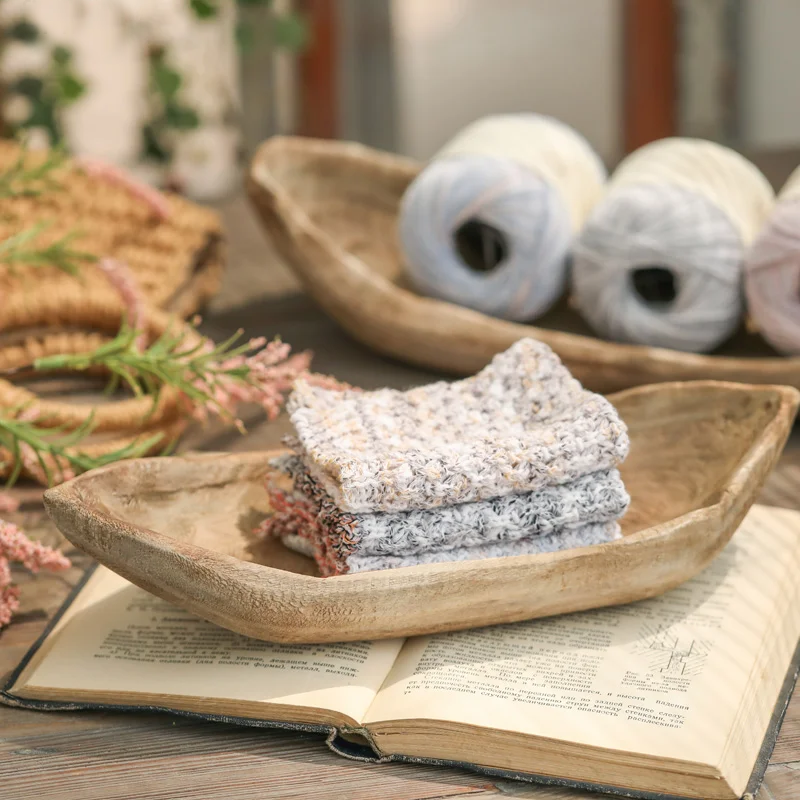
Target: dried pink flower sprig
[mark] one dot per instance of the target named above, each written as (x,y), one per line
(123,281)
(50,454)
(102,170)
(212,380)
(15,546)
(259,373)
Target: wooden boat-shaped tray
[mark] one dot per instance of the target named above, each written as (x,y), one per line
(331,208)
(182,529)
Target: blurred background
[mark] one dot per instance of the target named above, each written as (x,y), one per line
(182,91)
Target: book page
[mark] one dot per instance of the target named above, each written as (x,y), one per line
(663,676)
(117,638)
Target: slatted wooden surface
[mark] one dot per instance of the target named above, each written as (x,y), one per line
(114,756)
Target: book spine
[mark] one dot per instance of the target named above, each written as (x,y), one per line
(356,744)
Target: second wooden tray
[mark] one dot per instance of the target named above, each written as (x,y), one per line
(331,208)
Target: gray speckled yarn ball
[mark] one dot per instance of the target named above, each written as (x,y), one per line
(660,259)
(659,266)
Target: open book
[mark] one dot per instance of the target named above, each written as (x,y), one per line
(678,695)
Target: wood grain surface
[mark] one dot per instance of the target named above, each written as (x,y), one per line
(115,756)
(700,453)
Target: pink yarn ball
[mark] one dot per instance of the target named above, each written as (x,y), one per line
(772,278)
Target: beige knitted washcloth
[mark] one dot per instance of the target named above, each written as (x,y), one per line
(520,424)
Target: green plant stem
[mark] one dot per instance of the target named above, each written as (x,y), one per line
(25,180)
(54,447)
(15,251)
(173,360)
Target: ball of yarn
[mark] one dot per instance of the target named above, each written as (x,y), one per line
(489,223)
(660,259)
(772,273)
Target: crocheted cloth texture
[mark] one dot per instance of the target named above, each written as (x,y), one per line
(599,497)
(584,536)
(520,424)
(303,536)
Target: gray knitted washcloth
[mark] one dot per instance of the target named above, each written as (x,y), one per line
(599,497)
(520,424)
(583,536)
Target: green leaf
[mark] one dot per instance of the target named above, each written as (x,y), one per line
(182,118)
(245,37)
(29,87)
(290,31)
(70,88)
(247,3)
(204,9)
(167,81)
(153,146)
(62,56)
(23,31)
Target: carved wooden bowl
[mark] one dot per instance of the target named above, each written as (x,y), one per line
(181,529)
(332,208)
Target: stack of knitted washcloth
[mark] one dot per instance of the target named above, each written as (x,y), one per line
(517,459)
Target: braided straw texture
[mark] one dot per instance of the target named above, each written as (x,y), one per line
(45,323)
(551,149)
(718,173)
(177,261)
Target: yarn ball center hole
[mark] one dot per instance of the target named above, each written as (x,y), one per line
(482,247)
(656,286)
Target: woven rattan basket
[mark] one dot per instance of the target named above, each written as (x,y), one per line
(71,321)
(177,259)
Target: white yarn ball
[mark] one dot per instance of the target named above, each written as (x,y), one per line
(512,212)
(489,223)
(665,228)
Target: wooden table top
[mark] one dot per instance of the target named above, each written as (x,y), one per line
(115,756)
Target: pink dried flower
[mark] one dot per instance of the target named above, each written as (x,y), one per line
(262,378)
(122,279)
(9,604)
(16,546)
(152,197)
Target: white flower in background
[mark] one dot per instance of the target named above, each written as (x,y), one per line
(169,21)
(208,59)
(206,161)
(19,59)
(17,109)
(37,139)
(12,10)
(139,11)
(109,57)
